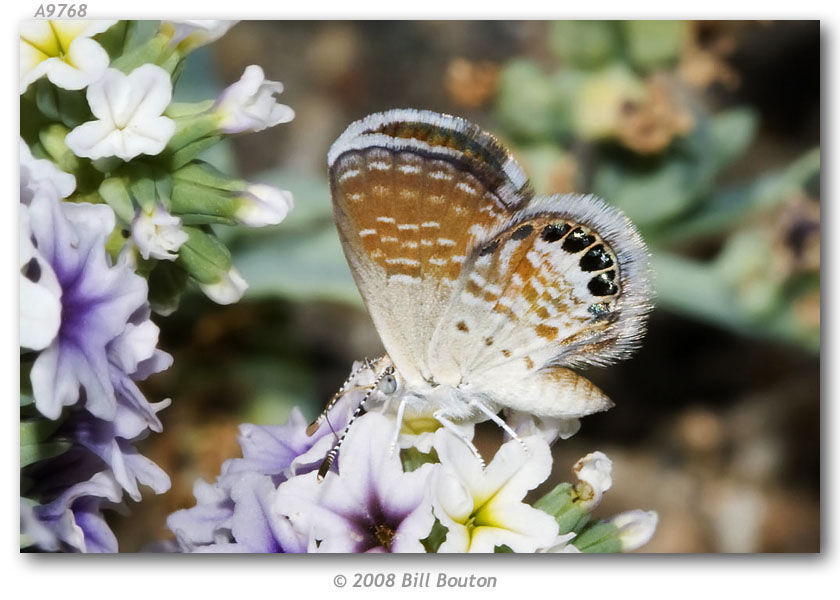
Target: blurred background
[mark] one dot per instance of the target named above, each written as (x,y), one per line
(705,133)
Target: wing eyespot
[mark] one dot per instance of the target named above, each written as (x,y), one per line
(596,259)
(554,232)
(577,241)
(603,284)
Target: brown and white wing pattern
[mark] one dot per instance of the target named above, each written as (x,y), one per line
(414,193)
(566,284)
(471,281)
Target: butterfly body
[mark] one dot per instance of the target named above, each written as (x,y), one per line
(485,295)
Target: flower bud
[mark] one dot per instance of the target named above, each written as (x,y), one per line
(635,528)
(594,472)
(157,234)
(262,205)
(249,104)
(228,289)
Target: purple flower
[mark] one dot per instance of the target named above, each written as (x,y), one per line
(105,338)
(90,363)
(73,521)
(232,514)
(111,441)
(371,505)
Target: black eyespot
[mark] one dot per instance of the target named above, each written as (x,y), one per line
(522,232)
(596,259)
(577,240)
(552,233)
(32,270)
(603,284)
(489,248)
(125,233)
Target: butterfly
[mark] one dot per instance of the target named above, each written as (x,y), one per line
(485,295)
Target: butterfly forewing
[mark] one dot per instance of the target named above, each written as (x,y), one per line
(411,205)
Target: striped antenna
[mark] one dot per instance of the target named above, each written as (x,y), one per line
(360,410)
(316,424)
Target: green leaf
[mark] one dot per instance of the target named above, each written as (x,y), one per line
(600,538)
(156,50)
(412,459)
(731,132)
(33,453)
(68,107)
(654,44)
(561,504)
(203,256)
(126,36)
(115,193)
(503,549)
(202,194)
(651,193)
(167,283)
(52,140)
(525,100)
(185,110)
(194,134)
(586,44)
(148,185)
(436,537)
(36,430)
(180,157)
(730,207)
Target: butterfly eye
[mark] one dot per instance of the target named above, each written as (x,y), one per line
(388,385)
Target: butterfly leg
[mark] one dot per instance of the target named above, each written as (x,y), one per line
(398,426)
(360,410)
(498,421)
(316,424)
(450,426)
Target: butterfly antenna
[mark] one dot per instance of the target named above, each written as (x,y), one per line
(360,410)
(316,424)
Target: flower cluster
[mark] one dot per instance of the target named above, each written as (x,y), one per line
(383,498)
(115,218)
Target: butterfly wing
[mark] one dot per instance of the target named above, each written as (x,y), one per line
(565,284)
(414,193)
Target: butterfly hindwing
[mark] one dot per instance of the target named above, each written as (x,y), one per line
(564,284)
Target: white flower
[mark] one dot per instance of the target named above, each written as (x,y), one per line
(483,508)
(158,234)
(35,173)
(129,110)
(228,289)
(635,528)
(249,104)
(188,35)
(595,474)
(63,51)
(40,292)
(262,205)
